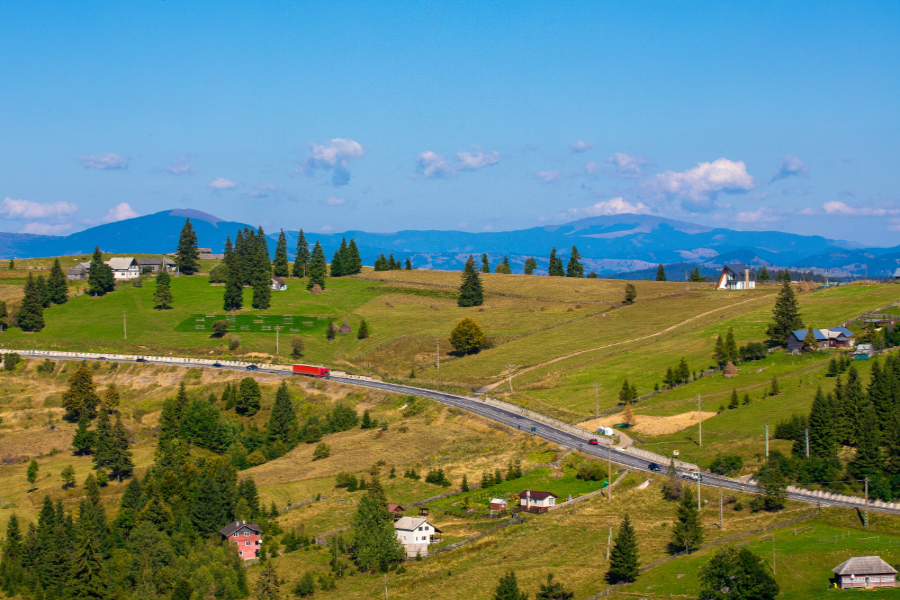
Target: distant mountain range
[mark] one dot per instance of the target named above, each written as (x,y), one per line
(610,244)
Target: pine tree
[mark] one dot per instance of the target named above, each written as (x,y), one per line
(336,268)
(262,273)
(737,574)
(764,276)
(353,261)
(43,291)
(574,268)
(187,256)
(530,266)
(111,397)
(623,560)
(470,290)
(58,284)
(96,274)
(392,264)
(207,512)
(660,273)
(87,576)
(376,544)
(301,260)
(809,341)
(508,589)
(280,265)
(688,532)
(730,346)
(249,397)
(120,464)
(84,439)
(892,443)
(821,428)
(11,571)
(103,442)
(719,354)
(553,590)
(630,293)
(363,331)
(267,585)
(316,269)
(31,312)
(786,315)
(734,400)
(81,398)
(163,277)
(408,264)
(250,494)
(162,297)
(868,458)
(774,389)
(234,284)
(381,263)
(283,425)
(555,269)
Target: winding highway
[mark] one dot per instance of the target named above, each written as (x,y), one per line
(499,415)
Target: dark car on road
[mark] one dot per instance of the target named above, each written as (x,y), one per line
(654,467)
(252,368)
(217,364)
(140,359)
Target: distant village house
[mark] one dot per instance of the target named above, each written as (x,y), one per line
(153,265)
(864,352)
(499,504)
(535,501)
(396,511)
(864,572)
(246,536)
(416,534)
(736,277)
(836,337)
(122,268)
(279,284)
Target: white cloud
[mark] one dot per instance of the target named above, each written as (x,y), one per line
(179,166)
(791,166)
(26,209)
(548,176)
(613,206)
(326,228)
(119,212)
(591,167)
(581,146)
(46,228)
(895,224)
(262,190)
(698,187)
(762,215)
(335,201)
(627,166)
(433,165)
(332,156)
(104,162)
(220,183)
(836,207)
(472,161)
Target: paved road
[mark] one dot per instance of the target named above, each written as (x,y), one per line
(520,422)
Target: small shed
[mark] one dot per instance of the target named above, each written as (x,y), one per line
(396,511)
(864,352)
(499,504)
(279,284)
(864,572)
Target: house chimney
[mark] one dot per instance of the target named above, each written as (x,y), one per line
(747,277)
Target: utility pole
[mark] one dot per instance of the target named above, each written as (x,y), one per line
(608,543)
(596,399)
(698,491)
(385,587)
(277,329)
(124,326)
(773,554)
(807,443)
(721,524)
(609,469)
(767,440)
(700,418)
(510,367)
(867,502)
(437,354)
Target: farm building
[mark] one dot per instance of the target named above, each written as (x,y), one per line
(416,534)
(836,337)
(499,504)
(864,572)
(279,284)
(864,352)
(396,511)
(79,272)
(535,501)
(153,265)
(122,268)
(246,536)
(736,277)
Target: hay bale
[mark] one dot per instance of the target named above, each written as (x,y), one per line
(345,328)
(568,310)
(316,289)
(480,310)
(730,370)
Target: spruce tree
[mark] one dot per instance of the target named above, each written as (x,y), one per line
(719,354)
(207,511)
(87,576)
(623,560)
(733,403)
(344,251)
(630,293)
(11,571)
(381,263)
(301,259)
(786,315)
(249,397)
(688,532)
(730,346)
(103,442)
(283,425)
(234,284)
(280,265)
(821,428)
(660,273)
(84,439)
(120,464)
(162,297)
(375,541)
(31,312)
(363,331)
(268,586)
(187,256)
(555,269)
(316,269)
(336,268)
(574,268)
(392,264)
(892,443)
(408,265)
(530,266)
(764,276)
(485,265)
(737,574)
(508,589)
(262,273)
(470,290)
(43,291)
(81,398)
(868,460)
(553,590)
(96,274)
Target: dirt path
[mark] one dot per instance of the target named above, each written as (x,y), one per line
(505,379)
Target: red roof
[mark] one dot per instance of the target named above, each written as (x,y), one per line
(395,508)
(536,495)
(278,280)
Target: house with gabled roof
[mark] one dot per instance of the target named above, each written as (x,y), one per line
(416,534)
(864,572)
(536,501)
(124,267)
(836,337)
(736,276)
(246,536)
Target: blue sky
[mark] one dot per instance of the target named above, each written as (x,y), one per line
(385,115)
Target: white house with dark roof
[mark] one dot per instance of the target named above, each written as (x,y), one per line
(124,267)
(535,501)
(736,277)
(416,534)
(864,572)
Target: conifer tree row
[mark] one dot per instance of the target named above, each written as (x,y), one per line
(234,282)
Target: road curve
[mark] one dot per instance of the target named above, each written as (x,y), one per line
(506,417)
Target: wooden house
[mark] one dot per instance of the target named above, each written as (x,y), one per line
(396,511)
(499,504)
(864,572)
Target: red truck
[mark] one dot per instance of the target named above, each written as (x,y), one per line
(311,370)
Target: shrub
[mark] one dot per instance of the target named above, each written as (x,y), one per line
(591,471)
(297,346)
(322,451)
(234,342)
(437,477)
(256,458)
(726,464)
(219,328)
(467,336)
(11,360)
(47,367)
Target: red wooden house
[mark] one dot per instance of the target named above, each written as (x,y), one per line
(246,536)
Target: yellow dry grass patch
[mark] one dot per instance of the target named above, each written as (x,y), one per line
(649,424)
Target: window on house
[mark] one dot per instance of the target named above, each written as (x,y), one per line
(246,543)
(246,533)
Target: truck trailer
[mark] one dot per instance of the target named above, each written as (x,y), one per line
(311,370)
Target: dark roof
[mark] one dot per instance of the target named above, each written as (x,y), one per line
(231,528)
(800,334)
(863,565)
(536,495)
(154,261)
(278,280)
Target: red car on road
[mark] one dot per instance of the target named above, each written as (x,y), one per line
(593,442)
